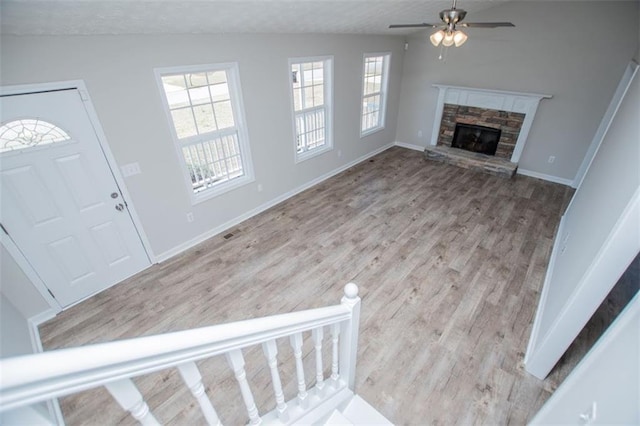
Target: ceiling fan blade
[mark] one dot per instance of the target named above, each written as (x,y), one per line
(423,25)
(485,24)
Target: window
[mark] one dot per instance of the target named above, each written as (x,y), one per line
(374,92)
(204,106)
(29,132)
(311,93)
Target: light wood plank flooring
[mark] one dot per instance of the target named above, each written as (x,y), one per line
(450,263)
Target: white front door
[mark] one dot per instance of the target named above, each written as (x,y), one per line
(59,201)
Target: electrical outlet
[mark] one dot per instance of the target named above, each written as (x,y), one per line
(130,169)
(339,153)
(589,416)
(190,217)
(259,187)
(419,133)
(552,158)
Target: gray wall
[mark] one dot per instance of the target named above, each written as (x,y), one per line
(575,51)
(16,287)
(118,71)
(15,338)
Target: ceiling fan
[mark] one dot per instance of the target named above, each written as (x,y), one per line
(448,35)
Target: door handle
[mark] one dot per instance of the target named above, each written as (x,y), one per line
(120,207)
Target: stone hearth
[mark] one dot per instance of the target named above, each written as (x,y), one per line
(471,160)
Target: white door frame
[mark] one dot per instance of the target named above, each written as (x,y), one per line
(8,243)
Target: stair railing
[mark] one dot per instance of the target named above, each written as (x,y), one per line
(30,379)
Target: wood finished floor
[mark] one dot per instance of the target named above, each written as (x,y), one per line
(449,262)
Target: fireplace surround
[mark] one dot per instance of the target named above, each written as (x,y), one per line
(510,112)
(508,123)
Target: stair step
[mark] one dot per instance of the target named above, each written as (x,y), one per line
(337,418)
(360,412)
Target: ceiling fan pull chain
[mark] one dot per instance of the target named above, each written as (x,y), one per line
(443,53)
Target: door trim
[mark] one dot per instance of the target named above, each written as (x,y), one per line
(7,242)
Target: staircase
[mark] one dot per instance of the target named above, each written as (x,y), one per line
(32,379)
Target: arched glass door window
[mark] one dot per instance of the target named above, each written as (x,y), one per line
(26,133)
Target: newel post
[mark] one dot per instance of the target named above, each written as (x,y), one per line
(349,336)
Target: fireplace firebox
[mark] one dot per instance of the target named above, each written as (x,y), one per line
(476,138)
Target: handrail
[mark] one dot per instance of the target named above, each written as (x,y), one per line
(33,378)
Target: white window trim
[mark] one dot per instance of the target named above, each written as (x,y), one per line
(383,93)
(237,105)
(328,105)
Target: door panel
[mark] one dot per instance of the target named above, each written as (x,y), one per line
(79,181)
(39,208)
(70,259)
(111,245)
(57,197)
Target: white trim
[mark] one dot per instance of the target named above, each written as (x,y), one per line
(502,100)
(34,322)
(384,89)
(543,176)
(8,243)
(327,105)
(233,222)
(53,405)
(313,153)
(237,106)
(115,169)
(607,119)
(409,146)
(555,251)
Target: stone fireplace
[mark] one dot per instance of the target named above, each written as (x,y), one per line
(507,123)
(492,126)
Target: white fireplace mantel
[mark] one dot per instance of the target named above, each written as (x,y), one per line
(525,103)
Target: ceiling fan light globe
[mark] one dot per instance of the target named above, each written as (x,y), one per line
(436,38)
(448,39)
(459,38)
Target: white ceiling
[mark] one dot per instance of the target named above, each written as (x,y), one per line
(222,16)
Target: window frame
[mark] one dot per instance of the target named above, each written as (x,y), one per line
(240,126)
(327,61)
(384,90)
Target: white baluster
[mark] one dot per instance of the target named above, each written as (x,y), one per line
(296,344)
(236,361)
(317,343)
(193,380)
(349,340)
(270,349)
(130,399)
(335,336)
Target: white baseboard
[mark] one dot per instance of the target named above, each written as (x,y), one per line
(546,177)
(409,146)
(233,222)
(34,322)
